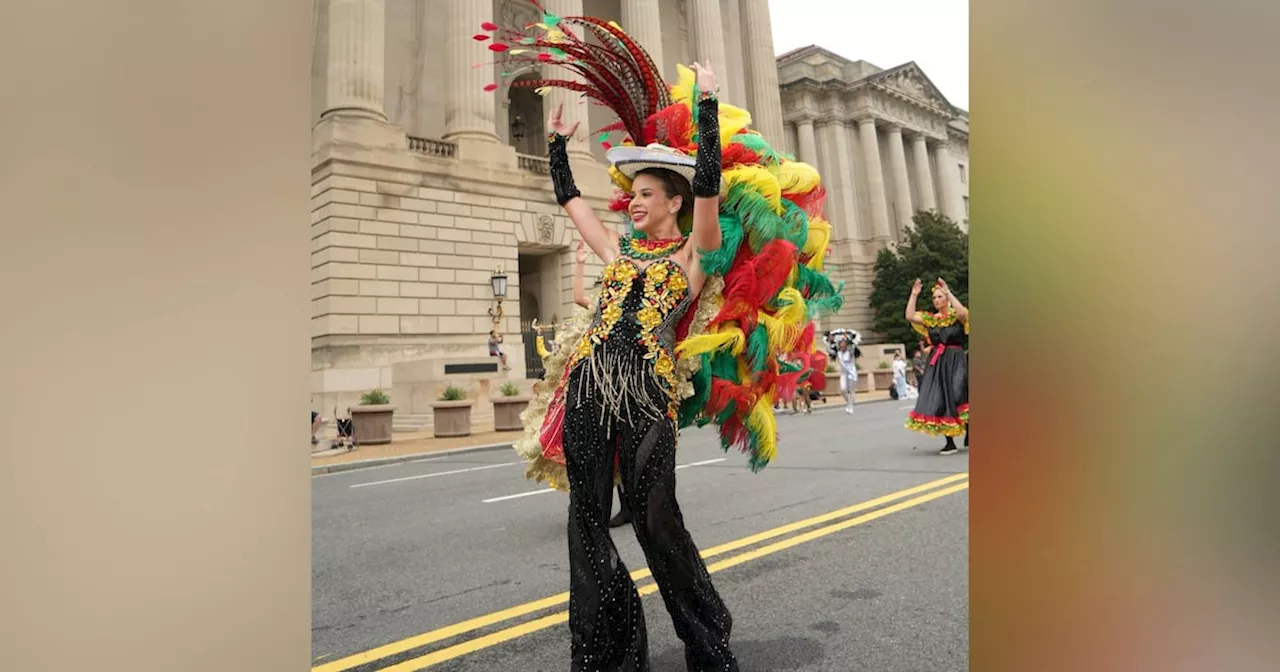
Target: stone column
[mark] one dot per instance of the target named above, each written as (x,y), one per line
(948,183)
(762,71)
(709,42)
(469,109)
(924,176)
(357,44)
(875,180)
(836,167)
(642,21)
(808,150)
(845,191)
(575,105)
(735,72)
(901,182)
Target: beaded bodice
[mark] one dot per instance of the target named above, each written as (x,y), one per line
(635,320)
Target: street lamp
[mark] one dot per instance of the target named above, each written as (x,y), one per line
(499,283)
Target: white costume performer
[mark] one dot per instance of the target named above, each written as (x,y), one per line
(847,361)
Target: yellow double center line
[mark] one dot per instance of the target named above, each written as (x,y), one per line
(472,645)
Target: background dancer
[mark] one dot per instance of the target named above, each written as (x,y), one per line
(942,409)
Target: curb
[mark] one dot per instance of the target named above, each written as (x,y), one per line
(383,461)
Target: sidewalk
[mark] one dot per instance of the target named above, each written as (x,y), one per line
(418,445)
(407,446)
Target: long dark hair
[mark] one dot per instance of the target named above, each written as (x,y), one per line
(674,184)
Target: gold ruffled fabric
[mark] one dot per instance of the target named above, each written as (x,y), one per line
(711,299)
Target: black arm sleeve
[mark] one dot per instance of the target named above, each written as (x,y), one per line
(561,175)
(706,177)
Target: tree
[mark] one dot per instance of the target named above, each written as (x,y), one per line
(934,247)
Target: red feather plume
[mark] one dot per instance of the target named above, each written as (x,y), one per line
(735,154)
(772,266)
(811,201)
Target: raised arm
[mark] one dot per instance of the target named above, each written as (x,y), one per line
(579,271)
(913,314)
(962,313)
(603,241)
(706,179)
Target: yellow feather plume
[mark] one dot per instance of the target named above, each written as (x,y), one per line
(815,245)
(729,337)
(682,90)
(795,177)
(759,179)
(765,426)
(782,335)
(732,121)
(793,310)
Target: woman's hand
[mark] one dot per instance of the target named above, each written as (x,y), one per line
(916,287)
(557,125)
(943,284)
(706,78)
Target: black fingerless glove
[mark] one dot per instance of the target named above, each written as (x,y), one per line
(561,175)
(706,176)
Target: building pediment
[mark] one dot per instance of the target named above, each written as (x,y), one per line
(909,81)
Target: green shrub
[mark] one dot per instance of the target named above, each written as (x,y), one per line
(452,393)
(510,390)
(374,398)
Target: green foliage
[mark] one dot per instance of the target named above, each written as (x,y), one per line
(933,247)
(452,393)
(883,365)
(374,398)
(510,390)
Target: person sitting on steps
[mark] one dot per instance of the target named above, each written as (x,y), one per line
(495,349)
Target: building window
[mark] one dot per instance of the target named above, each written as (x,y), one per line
(966,208)
(964,179)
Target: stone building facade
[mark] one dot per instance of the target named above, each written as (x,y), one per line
(887,144)
(425,185)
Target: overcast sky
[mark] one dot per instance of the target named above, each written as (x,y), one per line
(933,33)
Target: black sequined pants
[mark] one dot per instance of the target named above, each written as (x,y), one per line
(605,614)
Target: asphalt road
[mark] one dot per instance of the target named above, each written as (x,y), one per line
(403,551)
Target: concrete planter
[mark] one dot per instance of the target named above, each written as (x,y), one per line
(883,378)
(451,418)
(371,425)
(506,413)
(833,385)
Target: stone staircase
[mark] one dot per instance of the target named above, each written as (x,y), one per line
(409,423)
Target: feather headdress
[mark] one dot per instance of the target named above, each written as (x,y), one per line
(767,284)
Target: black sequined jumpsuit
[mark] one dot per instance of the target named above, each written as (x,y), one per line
(620,405)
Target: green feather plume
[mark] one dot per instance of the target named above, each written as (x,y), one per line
(720,261)
(758,348)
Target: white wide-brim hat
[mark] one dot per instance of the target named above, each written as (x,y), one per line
(631,159)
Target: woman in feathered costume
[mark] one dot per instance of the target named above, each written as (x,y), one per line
(722,274)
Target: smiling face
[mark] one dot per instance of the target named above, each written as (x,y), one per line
(655,204)
(939,299)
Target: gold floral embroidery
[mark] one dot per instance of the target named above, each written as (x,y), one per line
(616,285)
(649,318)
(663,289)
